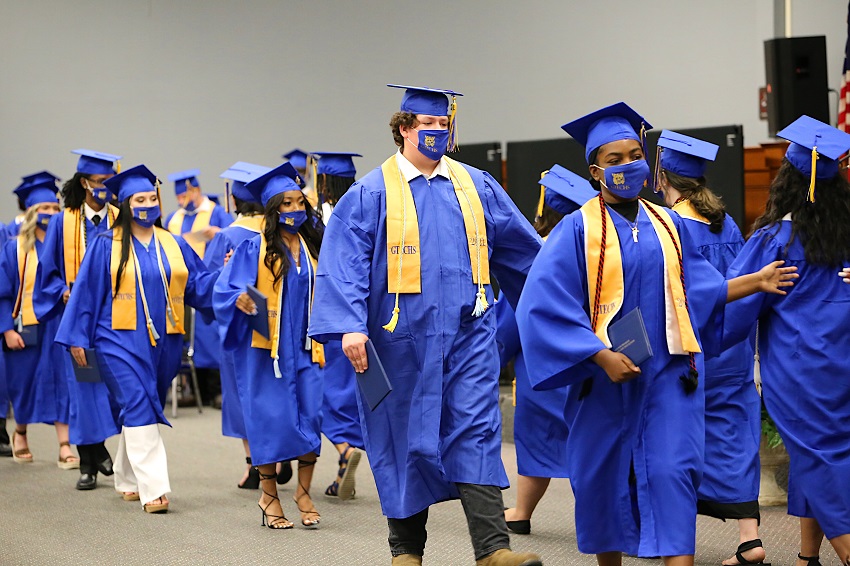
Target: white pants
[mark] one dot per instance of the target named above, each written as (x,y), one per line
(140,463)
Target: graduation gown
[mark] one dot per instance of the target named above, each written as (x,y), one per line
(635,450)
(732,403)
(37,377)
(441,424)
(92,413)
(137,374)
(803,345)
(540,427)
(232,421)
(282,415)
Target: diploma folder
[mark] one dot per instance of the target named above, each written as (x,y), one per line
(374,383)
(628,336)
(260,321)
(91,372)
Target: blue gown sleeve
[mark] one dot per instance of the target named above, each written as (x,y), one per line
(515,243)
(92,287)
(50,279)
(554,325)
(8,283)
(216,250)
(507,332)
(201,280)
(239,272)
(220,217)
(344,274)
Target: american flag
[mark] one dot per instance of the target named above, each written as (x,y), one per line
(844,96)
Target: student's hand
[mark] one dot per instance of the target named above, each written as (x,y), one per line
(845,274)
(79,356)
(210,232)
(354,348)
(245,304)
(227,256)
(773,277)
(617,366)
(66,295)
(14,340)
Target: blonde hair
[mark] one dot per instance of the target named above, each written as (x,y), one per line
(28,227)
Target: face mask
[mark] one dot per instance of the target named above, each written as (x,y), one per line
(432,143)
(626,181)
(99,194)
(292,221)
(43,219)
(190,206)
(145,216)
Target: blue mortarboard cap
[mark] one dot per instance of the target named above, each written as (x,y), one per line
(684,155)
(612,123)
(182,177)
(297,157)
(424,100)
(215,198)
(125,184)
(805,134)
(37,191)
(281,179)
(565,191)
(95,162)
(39,177)
(241,173)
(336,163)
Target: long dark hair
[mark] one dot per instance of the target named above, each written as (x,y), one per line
(275,248)
(332,187)
(247,207)
(823,226)
(701,197)
(73,192)
(124,221)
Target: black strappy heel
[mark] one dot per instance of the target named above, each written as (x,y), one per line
(253,479)
(307,522)
(749,545)
(810,560)
(269,520)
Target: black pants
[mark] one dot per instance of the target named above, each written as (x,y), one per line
(209,383)
(485,517)
(90,455)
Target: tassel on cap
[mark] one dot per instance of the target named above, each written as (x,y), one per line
(227,197)
(453,143)
(158,197)
(542,196)
(812,182)
(117,167)
(657,177)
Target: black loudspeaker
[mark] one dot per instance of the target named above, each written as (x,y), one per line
(796,80)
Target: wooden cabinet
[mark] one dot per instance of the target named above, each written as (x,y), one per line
(760,166)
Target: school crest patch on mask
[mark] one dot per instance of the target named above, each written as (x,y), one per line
(429,141)
(143,215)
(290,221)
(618,178)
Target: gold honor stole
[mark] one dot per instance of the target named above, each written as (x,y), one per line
(202,221)
(124,316)
(74,239)
(27,267)
(606,286)
(404,268)
(253,223)
(686,210)
(266,286)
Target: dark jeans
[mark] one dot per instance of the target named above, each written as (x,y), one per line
(485,516)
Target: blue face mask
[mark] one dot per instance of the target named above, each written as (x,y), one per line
(292,221)
(43,219)
(626,181)
(99,194)
(145,216)
(433,143)
(190,206)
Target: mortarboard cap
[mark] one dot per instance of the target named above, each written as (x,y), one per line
(241,173)
(138,179)
(182,177)
(684,155)
(297,157)
(279,180)
(214,198)
(815,148)
(340,164)
(38,178)
(96,163)
(37,191)
(609,124)
(564,191)
(424,100)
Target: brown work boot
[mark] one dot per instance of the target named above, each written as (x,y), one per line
(407,560)
(507,557)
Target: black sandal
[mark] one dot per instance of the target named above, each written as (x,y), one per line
(343,485)
(269,520)
(749,545)
(810,560)
(253,479)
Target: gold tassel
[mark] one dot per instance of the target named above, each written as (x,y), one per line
(542,194)
(117,167)
(390,326)
(657,178)
(514,391)
(481,303)
(814,166)
(158,197)
(453,126)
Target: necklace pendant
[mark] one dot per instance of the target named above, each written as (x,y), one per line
(635,233)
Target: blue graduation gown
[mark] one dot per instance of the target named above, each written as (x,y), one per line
(803,345)
(37,377)
(540,427)
(282,415)
(11,230)
(732,403)
(232,421)
(137,374)
(441,424)
(92,413)
(635,450)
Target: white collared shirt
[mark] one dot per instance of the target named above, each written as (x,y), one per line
(410,172)
(91,213)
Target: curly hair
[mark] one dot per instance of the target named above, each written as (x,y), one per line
(402,119)
(823,226)
(701,197)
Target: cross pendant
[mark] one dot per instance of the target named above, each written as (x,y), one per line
(634,233)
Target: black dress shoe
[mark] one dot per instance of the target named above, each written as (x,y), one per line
(5,449)
(105,467)
(87,481)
